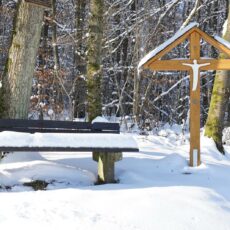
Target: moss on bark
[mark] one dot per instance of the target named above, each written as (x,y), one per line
(94,73)
(19,69)
(220,94)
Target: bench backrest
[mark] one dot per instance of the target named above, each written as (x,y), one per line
(47,126)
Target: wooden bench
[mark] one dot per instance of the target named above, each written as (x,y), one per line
(103,139)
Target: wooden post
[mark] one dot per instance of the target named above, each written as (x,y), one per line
(194,105)
(41,3)
(106,163)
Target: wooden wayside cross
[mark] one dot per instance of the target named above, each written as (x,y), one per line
(193,65)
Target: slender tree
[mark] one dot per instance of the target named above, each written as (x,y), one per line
(94,56)
(79,95)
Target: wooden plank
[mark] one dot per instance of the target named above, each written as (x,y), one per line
(38,130)
(194,103)
(45,130)
(47,126)
(169,48)
(177,65)
(41,3)
(65,149)
(195,45)
(20,123)
(213,42)
(99,126)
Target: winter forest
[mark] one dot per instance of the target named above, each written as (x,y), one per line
(115,114)
(88,54)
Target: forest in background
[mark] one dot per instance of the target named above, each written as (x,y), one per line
(131,28)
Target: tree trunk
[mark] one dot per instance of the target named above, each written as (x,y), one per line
(94,59)
(79,60)
(137,79)
(220,95)
(19,69)
(58,82)
(54,39)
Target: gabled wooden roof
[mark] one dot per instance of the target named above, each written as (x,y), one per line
(219,43)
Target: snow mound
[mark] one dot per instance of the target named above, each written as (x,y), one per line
(173,163)
(20,167)
(208,147)
(58,175)
(100,119)
(21,157)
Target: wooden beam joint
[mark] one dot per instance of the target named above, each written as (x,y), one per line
(41,3)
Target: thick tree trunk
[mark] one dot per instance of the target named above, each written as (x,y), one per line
(19,69)
(94,58)
(220,95)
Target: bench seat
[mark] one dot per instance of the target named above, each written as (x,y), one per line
(107,148)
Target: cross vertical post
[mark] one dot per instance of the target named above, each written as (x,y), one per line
(194,105)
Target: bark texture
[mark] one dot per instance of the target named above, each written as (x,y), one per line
(220,95)
(79,59)
(94,73)
(19,69)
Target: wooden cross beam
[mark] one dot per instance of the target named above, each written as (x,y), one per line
(177,65)
(193,65)
(41,3)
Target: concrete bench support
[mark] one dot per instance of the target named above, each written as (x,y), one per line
(106,162)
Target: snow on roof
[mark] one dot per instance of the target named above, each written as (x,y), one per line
(166,43)
(222,41)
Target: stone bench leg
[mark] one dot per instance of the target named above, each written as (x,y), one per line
(2,154)
(106,162)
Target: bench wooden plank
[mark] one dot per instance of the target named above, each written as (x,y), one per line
(21,123)
(38,130)
(98,126)
(43,126)
(48,130)
(64,149)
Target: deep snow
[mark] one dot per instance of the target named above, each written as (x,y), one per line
(157,189)
(78,140)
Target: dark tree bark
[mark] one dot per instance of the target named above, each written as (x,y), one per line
(79,97)
(19,69)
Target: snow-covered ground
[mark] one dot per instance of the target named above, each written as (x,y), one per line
(157,189)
